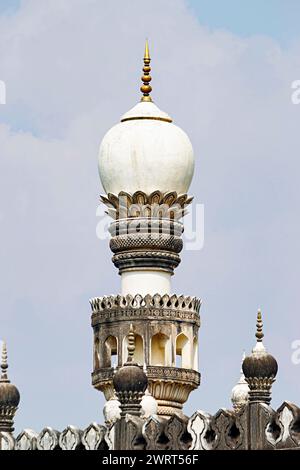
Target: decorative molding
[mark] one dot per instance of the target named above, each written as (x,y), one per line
(133,260)
(148,308)
(119,303)
(156,241)
(170,386)
(168,205)
(260,389)
(199,427)
(146,225)
(93,436)
(48,439)
(258,426)
(7,442)
(26,440)
(70,438)
(173,374)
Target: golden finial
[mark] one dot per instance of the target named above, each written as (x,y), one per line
(259,327)
(146,78)
(131,344)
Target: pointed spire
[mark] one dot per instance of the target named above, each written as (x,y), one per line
(146,78)
(147,54)
(131,344)
(243,357)
(259,327)
(4,364)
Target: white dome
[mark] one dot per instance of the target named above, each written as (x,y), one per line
(240,392)
(112,411)
(145,151)
(149,405)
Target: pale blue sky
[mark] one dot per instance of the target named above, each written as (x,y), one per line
(275,18)
(231,66)
(9,6)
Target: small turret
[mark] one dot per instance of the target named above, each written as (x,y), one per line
(9,396)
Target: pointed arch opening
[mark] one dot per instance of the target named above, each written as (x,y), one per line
(183,358)
(96,354)
(159,350)
(195,354)
(111,352)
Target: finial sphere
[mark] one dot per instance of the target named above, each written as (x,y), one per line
(146,151)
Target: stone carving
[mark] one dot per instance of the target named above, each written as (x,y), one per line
(27,440)
(175,431)
(157,204)
(225,429)
(134,432)
(152,430)
(199,427)
(171,387)
(257,426)
(163,260)
(110,437)
(170,302)
(7,441)
(168,384)
(146,226)
(288,417)
(262,428)
(48,439)
(70,438)
(160,241)
(93,436)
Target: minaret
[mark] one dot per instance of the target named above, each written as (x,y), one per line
(146,165)
(9,396)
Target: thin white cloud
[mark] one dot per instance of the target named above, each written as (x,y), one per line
(72,69)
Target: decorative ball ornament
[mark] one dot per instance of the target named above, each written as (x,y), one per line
(260,368)
(130,381)
(9,396)
(146,151)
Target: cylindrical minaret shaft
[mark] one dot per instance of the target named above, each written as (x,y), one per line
(146,165)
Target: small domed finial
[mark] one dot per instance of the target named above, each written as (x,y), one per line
(260,368)
(259,327)
(130,381)
(131,344)
(9,396)
(146,78)
(4,365)
(240,392)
